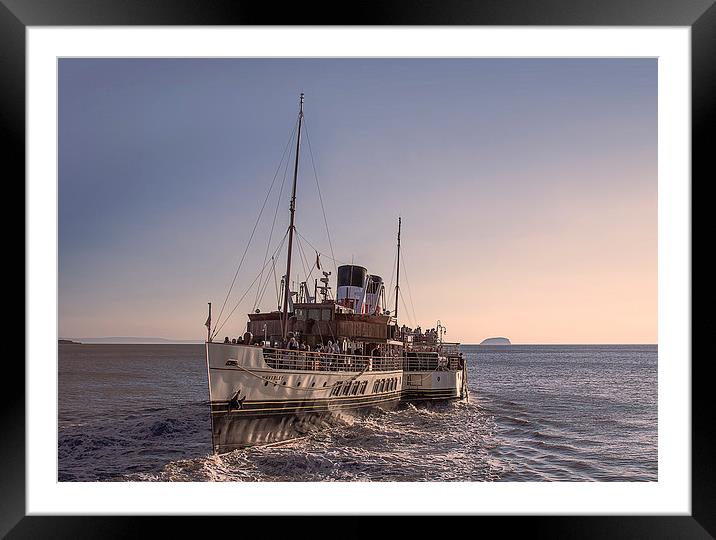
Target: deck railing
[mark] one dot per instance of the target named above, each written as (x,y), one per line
(443,348)
(431,364)
(318,361)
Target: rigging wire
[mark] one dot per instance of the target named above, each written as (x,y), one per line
(402,299)
(262,289)
(275,214)
(410,294)
(247,290)
(391,291)
(320,197)
(241,262)
(319,251)
(275,282)
(303,262)
(303,255)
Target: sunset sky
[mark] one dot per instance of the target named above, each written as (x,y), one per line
(527,190)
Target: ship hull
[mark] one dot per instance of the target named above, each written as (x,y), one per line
(254,403)
(232,429)
(433,386)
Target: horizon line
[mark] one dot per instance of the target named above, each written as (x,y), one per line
(200,341)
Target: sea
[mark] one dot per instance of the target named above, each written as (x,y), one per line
(567,413)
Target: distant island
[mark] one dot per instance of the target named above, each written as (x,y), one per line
(68,342)
(496,341)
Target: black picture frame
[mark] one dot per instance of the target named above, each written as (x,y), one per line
(699,15)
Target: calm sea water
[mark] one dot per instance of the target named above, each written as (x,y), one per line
(535,413)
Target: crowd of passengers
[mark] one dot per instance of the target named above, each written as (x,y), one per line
(294,344)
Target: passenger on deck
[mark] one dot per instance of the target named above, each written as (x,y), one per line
(226,339)
(292,344)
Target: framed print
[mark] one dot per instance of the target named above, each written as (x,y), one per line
(431,260)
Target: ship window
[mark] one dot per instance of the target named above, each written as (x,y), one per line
(363,386)
(354,390)
(346,389)
(314,314)
(336,388)
(375,386)
(382,385)
(326,314)
(300,314)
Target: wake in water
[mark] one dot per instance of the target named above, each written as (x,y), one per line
(536,413)
(385,446)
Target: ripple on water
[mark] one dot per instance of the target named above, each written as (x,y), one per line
(535,414)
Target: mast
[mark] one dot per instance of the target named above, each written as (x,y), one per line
(397,277)
(291,227)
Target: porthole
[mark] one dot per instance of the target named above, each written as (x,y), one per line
(298,383)
(438,379)
(284,383)
(325,383)
(313,384)
(266,383)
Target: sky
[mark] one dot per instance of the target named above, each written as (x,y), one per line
(527,190)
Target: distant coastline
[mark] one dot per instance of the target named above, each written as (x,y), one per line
(129,340)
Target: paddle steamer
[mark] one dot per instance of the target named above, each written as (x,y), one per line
(315,356)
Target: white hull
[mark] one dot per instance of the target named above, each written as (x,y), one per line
(433,385)
(254,403)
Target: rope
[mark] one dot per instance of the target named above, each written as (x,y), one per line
(410,294)
(320,197)
(391,298)
(263,288)
(402,299)
(305,259)
(216,331)
(241,262)
(319,251)
(275,282)
(273,223)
